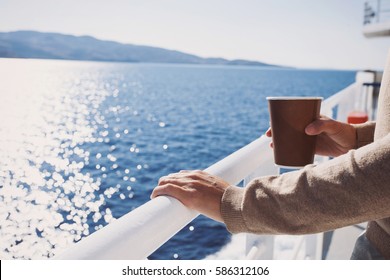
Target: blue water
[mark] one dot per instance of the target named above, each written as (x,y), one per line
(84,143)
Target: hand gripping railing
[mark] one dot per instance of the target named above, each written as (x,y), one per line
(139,233)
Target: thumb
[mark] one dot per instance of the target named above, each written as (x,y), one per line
(323,124)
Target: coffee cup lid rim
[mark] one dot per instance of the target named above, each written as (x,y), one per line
(294,98)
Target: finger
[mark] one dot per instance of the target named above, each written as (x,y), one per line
(165,189)
(189,175)
(185,172)
(173,175)
(175,179)
(196,174)
(157,191)
(165,179)
(268,133)
(181,194)
(322,125)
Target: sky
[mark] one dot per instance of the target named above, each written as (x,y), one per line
(298,33)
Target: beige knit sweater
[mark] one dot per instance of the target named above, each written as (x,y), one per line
(347,190)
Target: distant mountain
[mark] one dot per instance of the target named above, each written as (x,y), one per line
(32,44)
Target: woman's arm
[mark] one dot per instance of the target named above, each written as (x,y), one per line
(349,189)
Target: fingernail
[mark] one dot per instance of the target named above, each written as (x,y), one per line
(309,129)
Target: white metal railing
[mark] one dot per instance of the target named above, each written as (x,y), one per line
(376,11)
(376,18)
(139,233)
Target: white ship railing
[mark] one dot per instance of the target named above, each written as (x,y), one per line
(139,233)
(376,18)
(376,11)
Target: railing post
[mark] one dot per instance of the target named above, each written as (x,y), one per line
(261,247)
(314,246)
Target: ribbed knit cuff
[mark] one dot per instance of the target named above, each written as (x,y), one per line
(231,209)
(364,133)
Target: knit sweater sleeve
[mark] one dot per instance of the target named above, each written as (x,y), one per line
(346,190)
(364,133)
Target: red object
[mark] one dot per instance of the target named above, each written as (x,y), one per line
(357,117)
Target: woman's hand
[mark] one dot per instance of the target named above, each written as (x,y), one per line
(197,190)
(334,138)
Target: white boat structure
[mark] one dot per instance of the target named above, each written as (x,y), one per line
(139,233)
(376,18)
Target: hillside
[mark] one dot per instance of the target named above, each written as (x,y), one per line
(32,44)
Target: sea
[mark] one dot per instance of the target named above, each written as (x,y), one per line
(83,143)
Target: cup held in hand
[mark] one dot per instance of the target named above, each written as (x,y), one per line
(289,117)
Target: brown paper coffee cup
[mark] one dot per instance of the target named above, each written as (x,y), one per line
(289,117)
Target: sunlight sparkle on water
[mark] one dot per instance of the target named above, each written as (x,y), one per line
(47,199)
